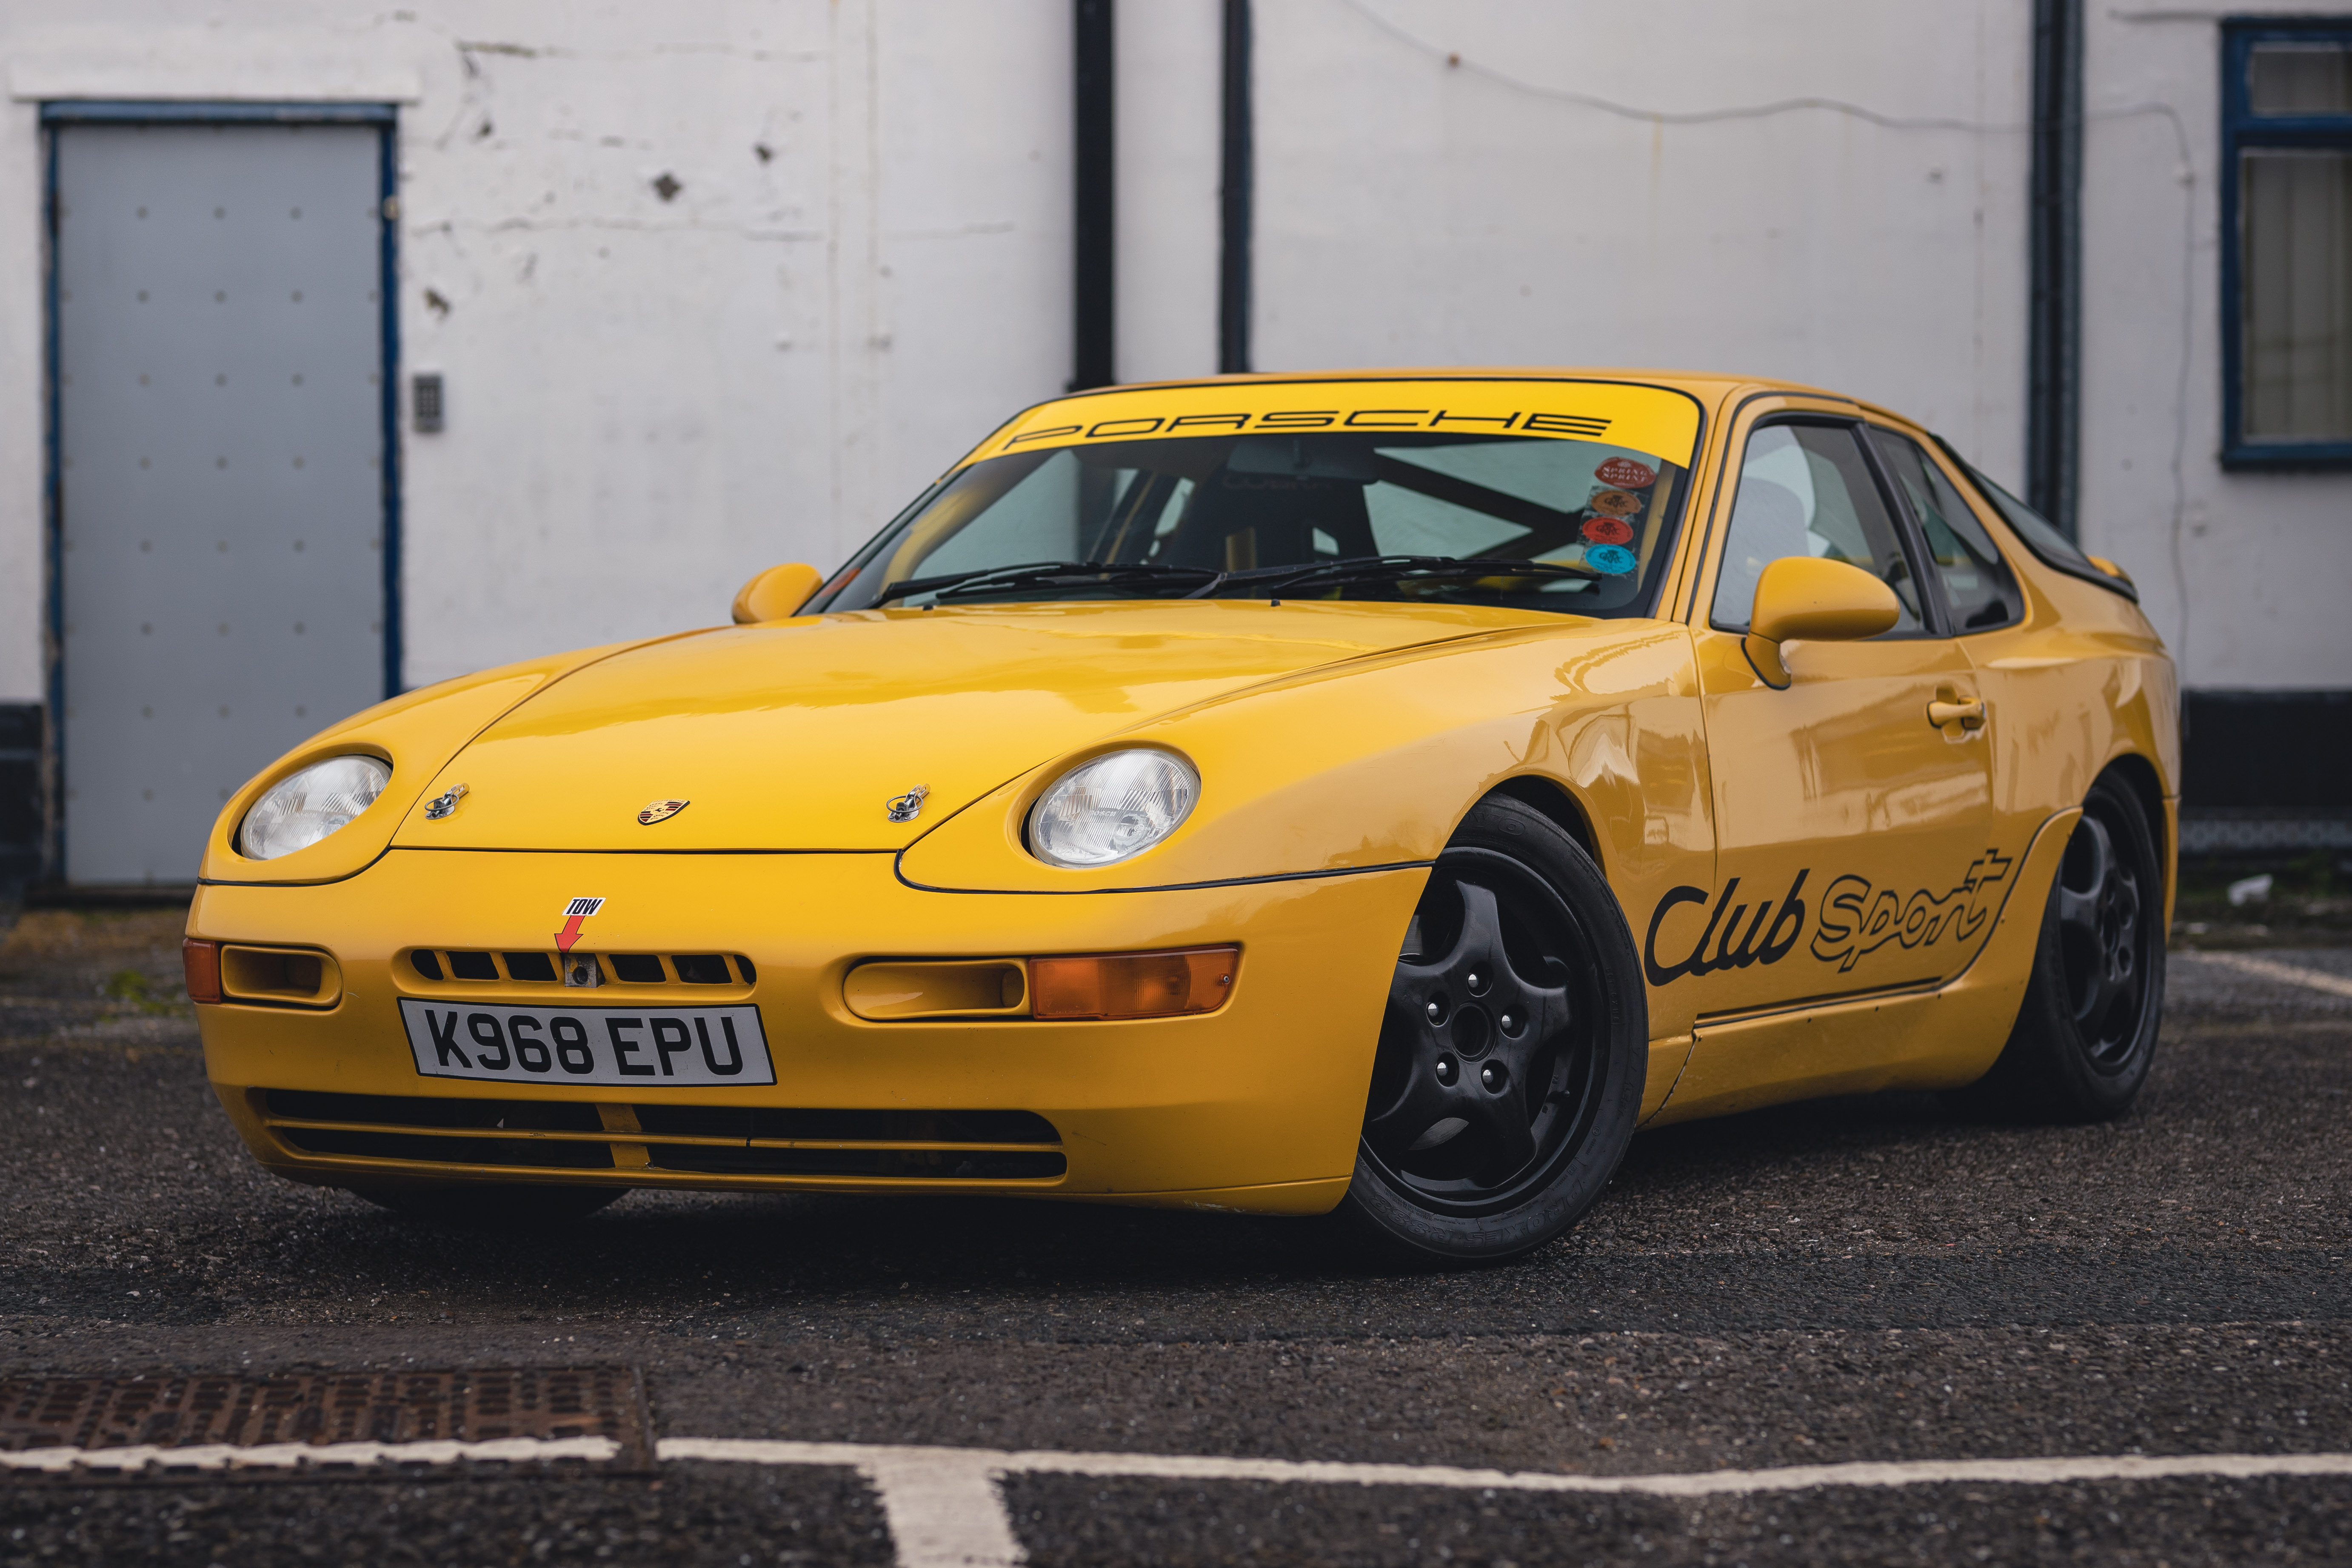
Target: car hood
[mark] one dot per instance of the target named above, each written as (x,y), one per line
(796,734)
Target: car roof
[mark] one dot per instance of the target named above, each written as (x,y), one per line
(1708,387)
(1700,384)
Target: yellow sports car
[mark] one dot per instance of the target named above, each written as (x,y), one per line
(1379,792)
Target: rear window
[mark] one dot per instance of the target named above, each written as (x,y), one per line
(2038,532)
(1977,582)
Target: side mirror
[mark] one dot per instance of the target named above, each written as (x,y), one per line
(1805,597)
(778,592)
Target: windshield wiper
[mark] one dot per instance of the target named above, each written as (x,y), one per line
(1031,574)
(1271,581)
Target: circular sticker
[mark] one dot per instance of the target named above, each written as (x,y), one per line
(1626,474)
(1607,530)
(1615,503)
(1613,558)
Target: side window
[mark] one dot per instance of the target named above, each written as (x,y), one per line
(1806,490)
(1977,582)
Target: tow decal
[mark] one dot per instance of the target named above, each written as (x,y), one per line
(574,912)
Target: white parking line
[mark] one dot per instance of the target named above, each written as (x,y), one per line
(2271,969)
(946,1508)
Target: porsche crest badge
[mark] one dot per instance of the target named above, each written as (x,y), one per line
(660,810)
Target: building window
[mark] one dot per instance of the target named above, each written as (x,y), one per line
(2287,268)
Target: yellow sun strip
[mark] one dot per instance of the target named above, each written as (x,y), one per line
(1652,419)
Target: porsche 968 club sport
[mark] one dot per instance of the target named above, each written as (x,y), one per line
(1379,793)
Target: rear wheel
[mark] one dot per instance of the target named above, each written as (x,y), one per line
(492,1205)
(2086,1032)
(1512,1050)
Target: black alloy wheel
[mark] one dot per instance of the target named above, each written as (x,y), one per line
(2086,1033)
(1486,1063)
(2100,912)
(1512,1050)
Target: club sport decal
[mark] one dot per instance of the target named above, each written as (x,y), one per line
(1854,920)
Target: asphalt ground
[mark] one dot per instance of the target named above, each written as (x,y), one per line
(1874,1278)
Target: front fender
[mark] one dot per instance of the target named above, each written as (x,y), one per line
(1374,763)
(417,732)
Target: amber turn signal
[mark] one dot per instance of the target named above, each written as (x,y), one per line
(1133,985)
(201,961)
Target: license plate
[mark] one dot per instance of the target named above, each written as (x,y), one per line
(634,1048)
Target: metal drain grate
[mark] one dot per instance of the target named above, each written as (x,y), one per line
(170,1410)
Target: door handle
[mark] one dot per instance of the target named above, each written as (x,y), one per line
(1967,715)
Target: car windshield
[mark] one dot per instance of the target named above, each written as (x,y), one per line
(1580,527)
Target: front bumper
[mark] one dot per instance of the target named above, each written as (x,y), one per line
(1256,1106)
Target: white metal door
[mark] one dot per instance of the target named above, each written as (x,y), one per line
(220,468)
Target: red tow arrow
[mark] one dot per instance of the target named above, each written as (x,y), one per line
(574,912)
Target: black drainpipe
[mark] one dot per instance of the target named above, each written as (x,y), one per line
(1234,196)
(2053,346)
(1094,323)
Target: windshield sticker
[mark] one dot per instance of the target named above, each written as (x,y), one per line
(1614,560)
(1854,920)
(1607,530)
(1626,474)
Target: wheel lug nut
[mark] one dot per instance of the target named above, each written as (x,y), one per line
(1434,1011)
(1493,1075)
(1446,1069)
(1507,1025)
(1475,984)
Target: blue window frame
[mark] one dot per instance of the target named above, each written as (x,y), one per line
(2286,252)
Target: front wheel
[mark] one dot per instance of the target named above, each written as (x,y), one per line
(1512,1051)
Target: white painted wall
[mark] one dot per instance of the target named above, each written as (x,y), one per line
(2246,573)
(1613,184)
(1169,118)
(649,399)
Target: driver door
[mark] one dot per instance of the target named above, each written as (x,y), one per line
(1853,809)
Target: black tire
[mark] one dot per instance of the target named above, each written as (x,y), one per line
(492,1205)
(2086,1033)
(1512,1052)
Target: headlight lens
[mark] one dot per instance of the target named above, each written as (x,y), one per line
(302,808)
(1112,807)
